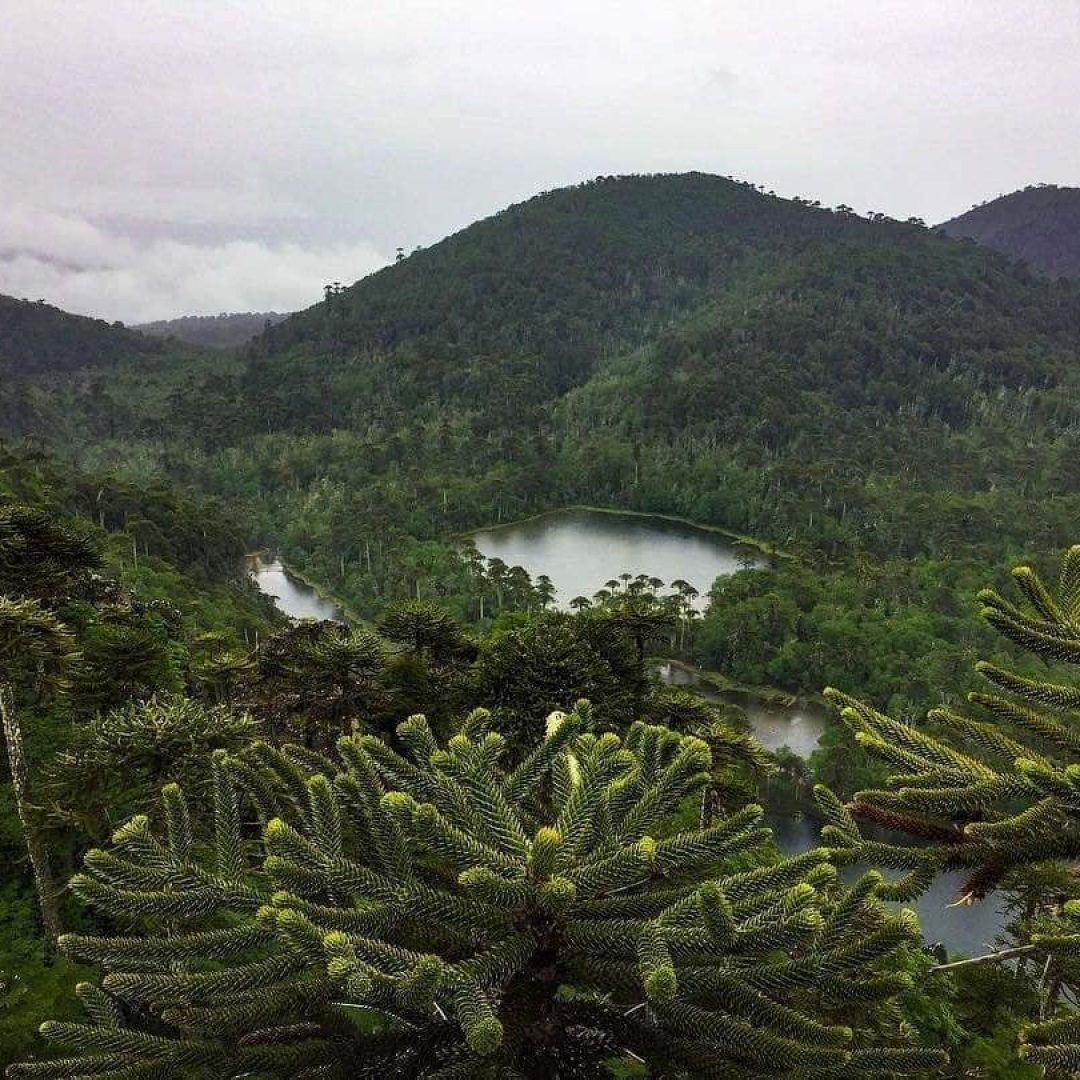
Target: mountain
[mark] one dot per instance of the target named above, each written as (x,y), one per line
(36,338)
(223,331)
(1039,225)
(682,344)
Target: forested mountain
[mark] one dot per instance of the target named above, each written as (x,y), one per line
(36,338)
(1039,225)
(223,331)
(840,387)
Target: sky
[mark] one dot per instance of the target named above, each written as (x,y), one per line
(169,157)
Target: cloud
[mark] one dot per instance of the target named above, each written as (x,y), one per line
(89,269)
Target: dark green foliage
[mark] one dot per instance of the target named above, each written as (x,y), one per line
(440,915)
(115,764)
(314,678)
(41,559)
(36,337)
(547,661)
(428,631)
(1000,797)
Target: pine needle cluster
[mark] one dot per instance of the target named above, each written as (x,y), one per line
(434,913)
(1001,798)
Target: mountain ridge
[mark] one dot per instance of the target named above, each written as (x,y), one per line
(1039,225)
(226,330)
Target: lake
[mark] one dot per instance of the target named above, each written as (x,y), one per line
(582,549)
(293,597)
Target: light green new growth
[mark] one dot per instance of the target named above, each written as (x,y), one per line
(442,914)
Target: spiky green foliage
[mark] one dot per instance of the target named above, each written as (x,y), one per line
(40,558)
(1001,797)
(314,677)
(426,629)
(116,762)
(436,914)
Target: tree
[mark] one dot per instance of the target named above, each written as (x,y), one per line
(41,559)
(36,651)
(315,678)
(482,921)
(426,630)
(1002,796)
(117,762)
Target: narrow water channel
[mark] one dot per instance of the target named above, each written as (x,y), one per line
(292,596)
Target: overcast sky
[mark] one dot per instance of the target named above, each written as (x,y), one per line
(167,157)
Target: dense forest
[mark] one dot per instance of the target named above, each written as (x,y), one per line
(483,822)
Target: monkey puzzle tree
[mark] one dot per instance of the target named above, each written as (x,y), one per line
(314,677)
(436,914)
(36,652)
(1001,797)
(427,630)
(116,762)
(41,559)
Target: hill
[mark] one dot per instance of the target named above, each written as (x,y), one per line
(224,331)
(859,392)
(36,338)
(1039,225)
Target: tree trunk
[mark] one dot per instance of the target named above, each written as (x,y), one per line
(35,843)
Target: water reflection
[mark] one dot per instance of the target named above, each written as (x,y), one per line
(582,549)
(293,597)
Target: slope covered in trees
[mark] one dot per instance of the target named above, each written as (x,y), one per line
(224,331)
(36,338)
(1039,225)
(861,393)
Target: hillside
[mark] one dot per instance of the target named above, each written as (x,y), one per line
(1039,225)
(847,389)
(224,331)
(36,338)
(671,320)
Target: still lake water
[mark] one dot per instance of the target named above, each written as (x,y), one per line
(581,549)
(293,597)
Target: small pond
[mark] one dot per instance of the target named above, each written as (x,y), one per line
(293,597)
(582,549)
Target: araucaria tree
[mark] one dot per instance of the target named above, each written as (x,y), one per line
(1001,797)
(436,914)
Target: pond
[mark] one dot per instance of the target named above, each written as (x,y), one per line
(798,727)
(295,598)
(582,549)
